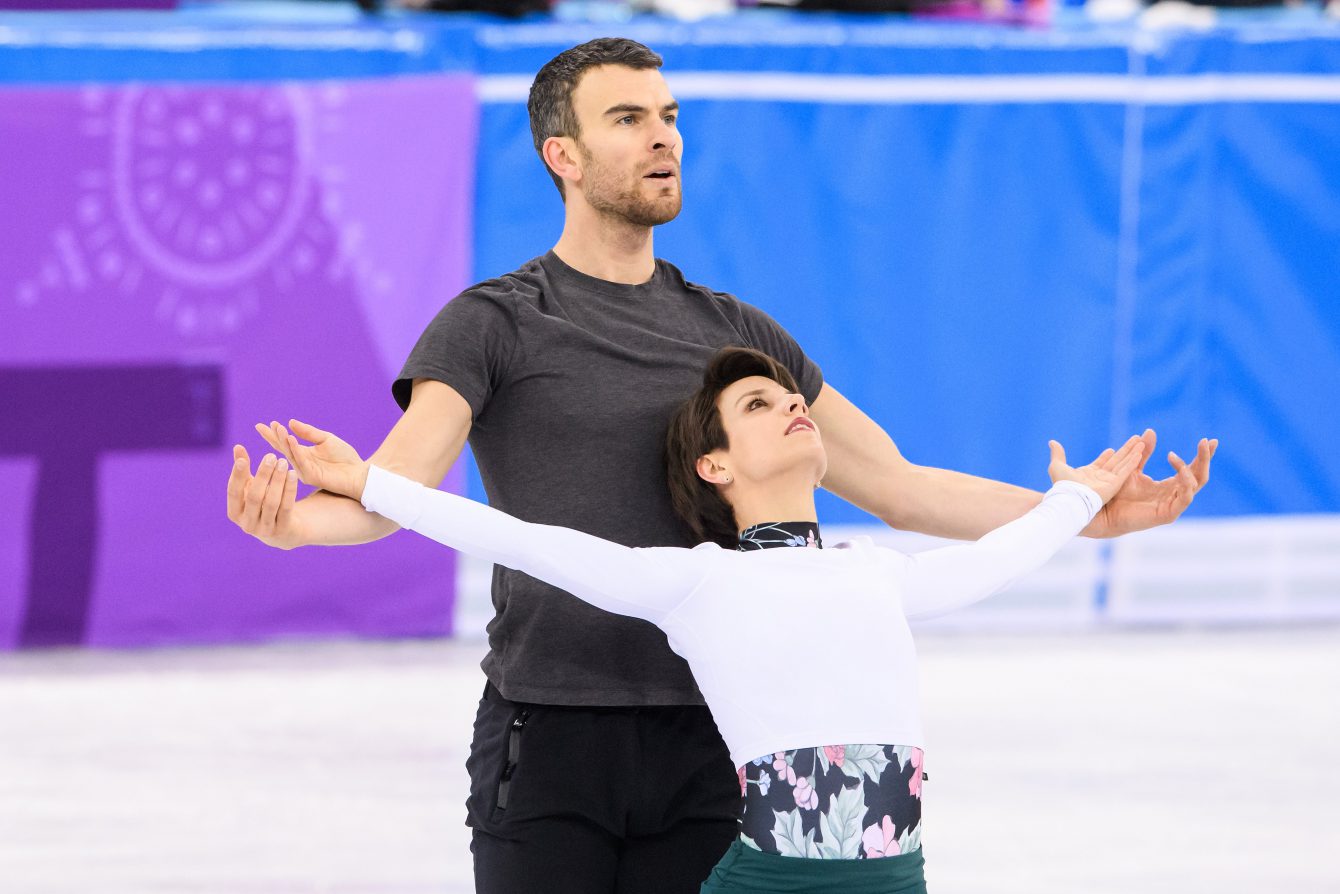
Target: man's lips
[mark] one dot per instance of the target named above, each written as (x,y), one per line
(801,422)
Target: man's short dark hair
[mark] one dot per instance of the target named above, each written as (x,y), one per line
(550,103)
(696,430)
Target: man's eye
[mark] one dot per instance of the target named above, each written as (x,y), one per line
(671,119)
(626,119)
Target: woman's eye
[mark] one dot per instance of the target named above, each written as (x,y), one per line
(757,402)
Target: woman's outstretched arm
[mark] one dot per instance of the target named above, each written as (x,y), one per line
(941,580)
(642,583)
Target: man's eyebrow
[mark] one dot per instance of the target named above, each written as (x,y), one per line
(625,108)
(757,392)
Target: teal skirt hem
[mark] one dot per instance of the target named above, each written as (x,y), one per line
(744,870)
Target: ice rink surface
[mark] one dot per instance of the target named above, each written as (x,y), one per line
(1131,762)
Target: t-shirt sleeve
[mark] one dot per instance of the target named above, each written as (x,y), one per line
(767,335)
(468,345)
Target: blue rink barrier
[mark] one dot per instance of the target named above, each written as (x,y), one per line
(987,237)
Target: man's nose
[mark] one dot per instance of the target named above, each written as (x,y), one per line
(664,137)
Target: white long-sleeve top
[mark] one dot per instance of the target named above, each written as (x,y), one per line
(849,675)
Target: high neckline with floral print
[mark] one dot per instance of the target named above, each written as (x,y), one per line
(773,534)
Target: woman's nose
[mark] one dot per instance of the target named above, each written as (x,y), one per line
(796,405)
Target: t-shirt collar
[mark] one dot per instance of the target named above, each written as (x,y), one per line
(558,270)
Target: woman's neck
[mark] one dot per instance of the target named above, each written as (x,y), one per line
(773,505)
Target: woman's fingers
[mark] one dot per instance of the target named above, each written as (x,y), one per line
(1058,452)
(1128,459)
(303,461)
(1110,459)
(267,432)
(310,432)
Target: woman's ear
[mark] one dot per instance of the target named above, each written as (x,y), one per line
(710,470)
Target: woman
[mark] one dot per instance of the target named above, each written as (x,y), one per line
(826,738)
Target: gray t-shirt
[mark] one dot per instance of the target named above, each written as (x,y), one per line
(572,381)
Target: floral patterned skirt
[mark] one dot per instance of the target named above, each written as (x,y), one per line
(834,802)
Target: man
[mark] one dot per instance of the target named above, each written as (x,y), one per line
(594,767)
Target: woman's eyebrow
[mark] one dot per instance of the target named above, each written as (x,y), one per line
(757,392)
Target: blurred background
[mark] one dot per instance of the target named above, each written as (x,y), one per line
(991,223)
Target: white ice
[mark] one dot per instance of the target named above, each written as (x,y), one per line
(1130,763)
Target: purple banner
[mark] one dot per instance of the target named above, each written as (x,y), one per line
(176,263)
(48,5)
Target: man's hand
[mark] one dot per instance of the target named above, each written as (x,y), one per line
(262,505)
(328,463)
(1144,503)
(1106,474)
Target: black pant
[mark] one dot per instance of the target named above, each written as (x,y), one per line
(597,800)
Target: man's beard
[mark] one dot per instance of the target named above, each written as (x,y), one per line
(606,193)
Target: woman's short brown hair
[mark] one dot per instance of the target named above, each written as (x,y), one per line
(696,429)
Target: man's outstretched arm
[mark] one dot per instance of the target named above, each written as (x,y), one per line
(866,469)
(422,445)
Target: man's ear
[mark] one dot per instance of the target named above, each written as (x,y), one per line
(560,154)
(709,469)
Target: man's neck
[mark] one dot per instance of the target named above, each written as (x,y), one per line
(607,248)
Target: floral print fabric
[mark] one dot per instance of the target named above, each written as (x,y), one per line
(839,802)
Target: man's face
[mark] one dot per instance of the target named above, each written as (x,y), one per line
(629,145)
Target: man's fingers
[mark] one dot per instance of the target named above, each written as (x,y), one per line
(1184,484)
(238,479)
(1151,441)
(1185,476)
(290,495)
(255,494)
(1200,466)
(273,497)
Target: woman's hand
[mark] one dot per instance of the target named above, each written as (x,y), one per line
(1106,474)
(329,463)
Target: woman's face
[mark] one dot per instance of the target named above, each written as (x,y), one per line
(770,433)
